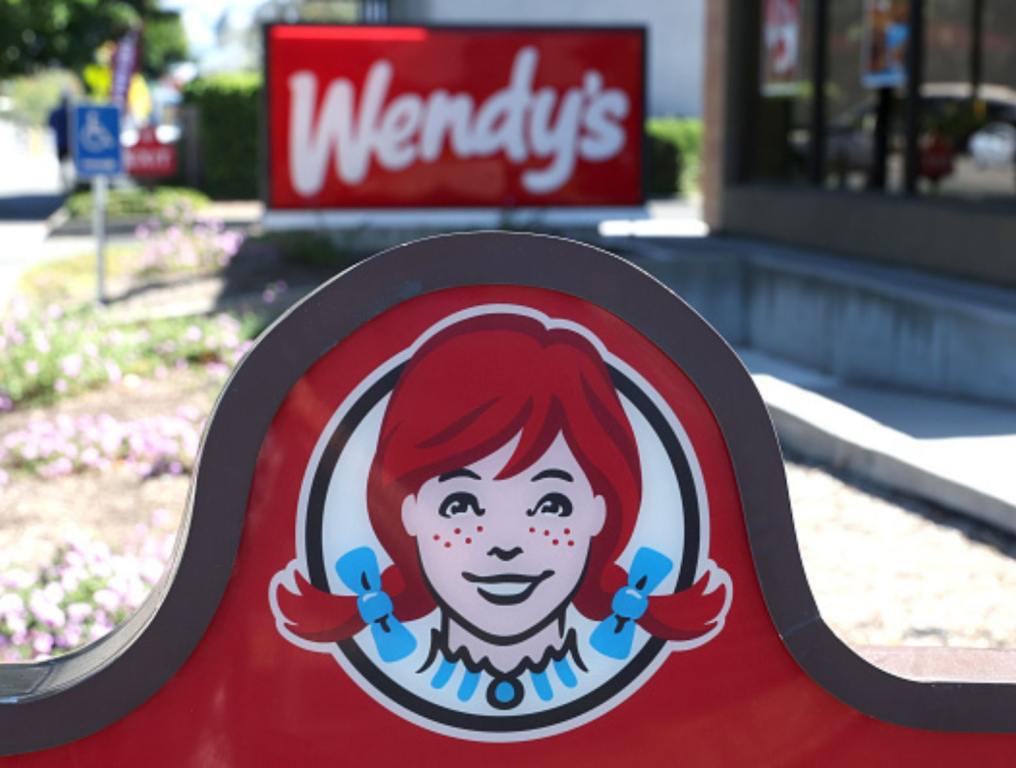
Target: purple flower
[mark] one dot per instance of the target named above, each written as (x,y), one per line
(78,612)
(71,365)
(42,642)
(107,599)
(41,342)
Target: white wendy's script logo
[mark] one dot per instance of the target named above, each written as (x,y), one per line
(584,121)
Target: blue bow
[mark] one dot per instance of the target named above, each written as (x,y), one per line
(613,637)
(359,572)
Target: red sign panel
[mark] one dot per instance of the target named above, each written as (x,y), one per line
(408,116)
(151,157)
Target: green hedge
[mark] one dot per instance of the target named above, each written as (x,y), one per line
(228,107)
(138,201)
(675,146)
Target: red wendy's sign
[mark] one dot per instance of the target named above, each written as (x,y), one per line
(410,116)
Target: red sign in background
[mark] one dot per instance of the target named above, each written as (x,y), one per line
(150,157)
(247,696)
(415,117)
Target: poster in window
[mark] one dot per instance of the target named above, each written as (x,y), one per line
(781,45)
(884,48)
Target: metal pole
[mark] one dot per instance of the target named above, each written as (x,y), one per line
(915,78)
(883,115)
(99,231)
(820,35)
(976,48)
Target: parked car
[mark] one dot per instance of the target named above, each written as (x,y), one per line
(947,111)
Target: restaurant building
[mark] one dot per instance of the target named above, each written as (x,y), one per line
(879,129)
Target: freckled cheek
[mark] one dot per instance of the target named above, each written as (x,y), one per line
(447,535)
(560,534)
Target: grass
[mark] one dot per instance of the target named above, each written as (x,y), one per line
(72,280)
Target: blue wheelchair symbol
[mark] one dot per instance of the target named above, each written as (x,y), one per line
(96,139)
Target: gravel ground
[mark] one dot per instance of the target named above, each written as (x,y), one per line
(36,513)
(885,569)
(889,570)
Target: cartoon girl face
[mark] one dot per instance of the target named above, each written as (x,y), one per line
(505,556)
(504,486)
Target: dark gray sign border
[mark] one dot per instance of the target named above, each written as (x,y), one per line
(55,702)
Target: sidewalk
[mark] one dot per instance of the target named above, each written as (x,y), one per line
(957,454)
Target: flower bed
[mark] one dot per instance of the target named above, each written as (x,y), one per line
(81,595)
(151,446)
(45,355)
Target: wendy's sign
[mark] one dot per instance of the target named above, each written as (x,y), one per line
(504,527)
(493,499)
(410,116)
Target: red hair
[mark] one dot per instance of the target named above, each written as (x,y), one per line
(465,393)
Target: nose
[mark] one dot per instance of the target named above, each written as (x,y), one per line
(504,554)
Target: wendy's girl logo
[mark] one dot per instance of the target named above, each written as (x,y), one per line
(503,531)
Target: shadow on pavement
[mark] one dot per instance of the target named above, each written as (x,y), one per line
(29,207)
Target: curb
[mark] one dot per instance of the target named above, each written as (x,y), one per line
(826,431)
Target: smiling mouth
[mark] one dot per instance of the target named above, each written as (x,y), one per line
(507,588)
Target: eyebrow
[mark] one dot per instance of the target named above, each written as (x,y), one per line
(560,474)
(458,473)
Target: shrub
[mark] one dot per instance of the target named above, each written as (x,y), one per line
(44,356)
(685,136)
(228,111)
(162,202)
(186,243)
(665,167)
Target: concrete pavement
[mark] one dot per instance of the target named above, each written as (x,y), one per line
(958,454)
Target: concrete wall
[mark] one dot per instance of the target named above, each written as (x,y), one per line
(963,239)
(864,323)
(676,31)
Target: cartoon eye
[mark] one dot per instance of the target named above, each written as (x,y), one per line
(460,503)
(552,504)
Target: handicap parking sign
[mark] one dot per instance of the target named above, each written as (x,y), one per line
(96,140)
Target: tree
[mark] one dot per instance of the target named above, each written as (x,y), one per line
(163,42)
(35,34)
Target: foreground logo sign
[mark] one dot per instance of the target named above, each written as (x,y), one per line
(395,116)
(514,528)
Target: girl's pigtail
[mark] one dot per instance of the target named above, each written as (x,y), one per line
(322,617)
(316,615)
(683,616)
(688,614)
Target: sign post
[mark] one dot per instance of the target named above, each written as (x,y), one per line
(97,156)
